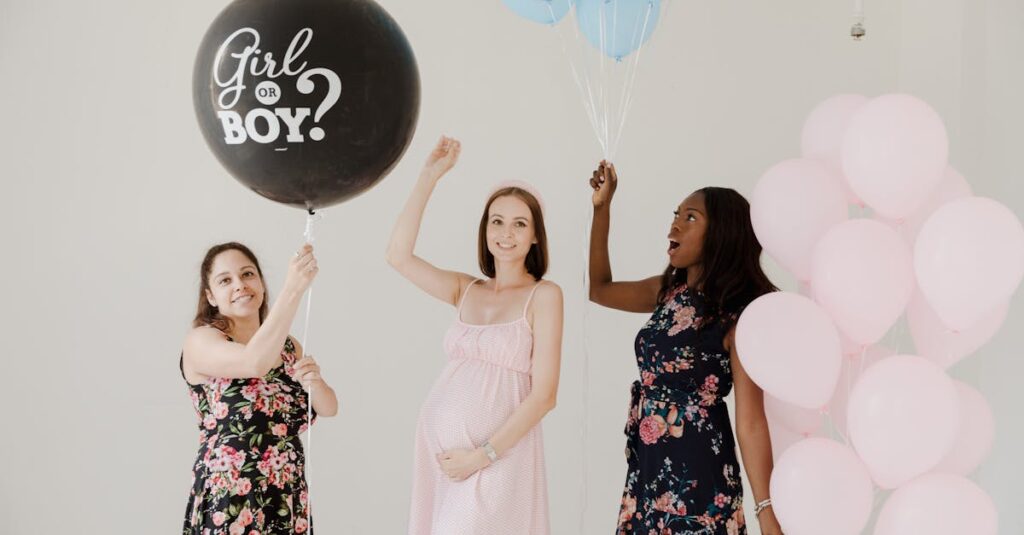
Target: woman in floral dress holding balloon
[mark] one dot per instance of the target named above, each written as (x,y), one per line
(246,378)
(683,473)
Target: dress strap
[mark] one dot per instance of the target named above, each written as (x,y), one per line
(181,366)
(530,298)
(462,299)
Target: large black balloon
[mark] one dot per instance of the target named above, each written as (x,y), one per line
(317,161)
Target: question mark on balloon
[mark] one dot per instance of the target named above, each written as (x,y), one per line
(305,86)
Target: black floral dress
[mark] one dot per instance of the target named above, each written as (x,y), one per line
(683,476)
(249,476)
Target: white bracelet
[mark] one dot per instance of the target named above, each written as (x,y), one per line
(489,450)
(762,505)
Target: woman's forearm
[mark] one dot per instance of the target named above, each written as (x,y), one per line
(600,264)
(264,348)
(756,449)
(325,401)
(526,416)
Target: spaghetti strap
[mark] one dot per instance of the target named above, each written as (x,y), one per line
(463,298)
(530,298)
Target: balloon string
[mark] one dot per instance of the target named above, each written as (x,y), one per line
(593,87)
(586,93)
(848,368)
(585,389)
(631,79)
(609,111)
(311,218)
(605,85)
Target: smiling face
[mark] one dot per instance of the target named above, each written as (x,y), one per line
(234,285)
(686,234)
(510,229)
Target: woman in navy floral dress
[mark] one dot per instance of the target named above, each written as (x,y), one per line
(683,474)
(246,378)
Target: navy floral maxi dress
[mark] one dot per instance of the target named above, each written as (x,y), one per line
(683,478)
(249,475)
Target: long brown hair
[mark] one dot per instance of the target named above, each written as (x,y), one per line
(731,275)
(207,314)
(537,257)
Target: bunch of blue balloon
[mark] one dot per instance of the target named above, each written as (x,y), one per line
(603,49)
(615,27)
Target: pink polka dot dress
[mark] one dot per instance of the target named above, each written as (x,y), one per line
(486,378)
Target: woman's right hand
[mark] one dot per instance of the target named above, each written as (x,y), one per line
(302,269)
(442,158)
(603,181)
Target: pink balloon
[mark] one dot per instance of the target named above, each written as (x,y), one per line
(903,417)
(793,204)
(820,486)
(799,420)
(938,504)
(976,436)
(788,346)
(824,130)
(849,347)
(969,259)
(952,187)
(862,274)
(853,366)
(894,153)
(945,346)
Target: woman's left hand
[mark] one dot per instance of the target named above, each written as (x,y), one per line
(459,464)
(306,371)
(769,524)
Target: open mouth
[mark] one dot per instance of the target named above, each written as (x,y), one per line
(505,246)
(242,299)
(672,246)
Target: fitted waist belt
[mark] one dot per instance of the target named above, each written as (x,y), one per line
(676,396)
(248,439)
(685,401)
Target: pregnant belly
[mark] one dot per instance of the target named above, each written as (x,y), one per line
(470,402)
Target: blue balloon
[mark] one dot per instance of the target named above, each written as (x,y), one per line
(617,27)
(542,11)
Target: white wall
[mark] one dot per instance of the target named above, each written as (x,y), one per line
(110,198)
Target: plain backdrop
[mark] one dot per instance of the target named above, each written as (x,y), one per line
(110,198)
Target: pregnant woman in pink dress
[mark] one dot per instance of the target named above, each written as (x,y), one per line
(479,461)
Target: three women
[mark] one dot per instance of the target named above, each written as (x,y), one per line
(479,459)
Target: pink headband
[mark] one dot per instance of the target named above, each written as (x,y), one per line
(525,186)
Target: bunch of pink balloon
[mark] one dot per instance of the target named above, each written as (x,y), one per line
(921,247)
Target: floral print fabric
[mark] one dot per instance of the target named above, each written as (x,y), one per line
(683,476)
(249,475)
